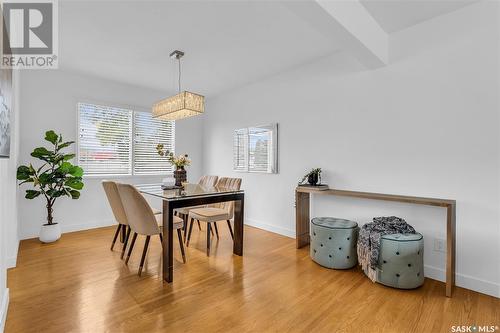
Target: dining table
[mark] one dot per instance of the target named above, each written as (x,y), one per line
(190,195)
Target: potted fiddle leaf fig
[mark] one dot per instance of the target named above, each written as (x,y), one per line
(54,178)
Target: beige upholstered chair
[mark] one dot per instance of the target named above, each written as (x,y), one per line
(115,202)
(217,212)
(143,221)
(111,190)
(205,181)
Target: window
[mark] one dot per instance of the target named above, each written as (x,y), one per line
(117,141)
(148,132)
(255,149)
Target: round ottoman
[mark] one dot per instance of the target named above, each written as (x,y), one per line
(333,242)
(401,261)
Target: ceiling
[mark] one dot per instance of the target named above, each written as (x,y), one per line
(394,15)
(227,44)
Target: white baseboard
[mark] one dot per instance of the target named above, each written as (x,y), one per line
(4,306)
(269,227)
(464,281)
(75,227)
(86,226)
(11,262)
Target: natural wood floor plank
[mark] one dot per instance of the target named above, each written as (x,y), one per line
(78,285)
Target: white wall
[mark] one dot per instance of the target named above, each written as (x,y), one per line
(425,125)
(48,101)
(9,239)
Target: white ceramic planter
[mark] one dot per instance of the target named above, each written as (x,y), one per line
(50,233)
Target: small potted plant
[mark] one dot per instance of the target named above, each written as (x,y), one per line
(179,162)
(313,177)
(55,178)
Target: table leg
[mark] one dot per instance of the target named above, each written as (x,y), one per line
(302,219)
(239,207)
(168,249)
(450,248)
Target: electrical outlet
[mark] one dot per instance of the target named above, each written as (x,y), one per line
(439,245)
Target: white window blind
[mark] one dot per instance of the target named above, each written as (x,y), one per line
(255,149)
(148,132)
(104,146)
(117,141)
(240,146)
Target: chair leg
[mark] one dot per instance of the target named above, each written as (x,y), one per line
(216,230)
(185,219)
(116,236)
(125,242)
(230,229)
(199,225)
(134,237)
(211,230)
(189,233)
(208,239)
(146,244)
(123,233)
(179,234)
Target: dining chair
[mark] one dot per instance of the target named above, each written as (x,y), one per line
(216,212)
(205,181)
(143,221)
(111,190)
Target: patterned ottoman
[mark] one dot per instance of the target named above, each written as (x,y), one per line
(333,242)
(401,261)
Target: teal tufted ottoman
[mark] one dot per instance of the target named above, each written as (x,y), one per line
(401,261)
(333,242)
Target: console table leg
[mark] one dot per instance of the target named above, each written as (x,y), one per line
(302,218)
(450,248)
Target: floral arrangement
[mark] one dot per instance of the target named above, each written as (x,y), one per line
(179,161)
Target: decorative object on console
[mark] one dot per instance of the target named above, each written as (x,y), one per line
(333,242)
(179,162)
(313,177)
(183,105)
(55,178)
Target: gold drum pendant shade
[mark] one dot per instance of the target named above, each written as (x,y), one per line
(183,105)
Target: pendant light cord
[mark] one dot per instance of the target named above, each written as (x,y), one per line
(179,75)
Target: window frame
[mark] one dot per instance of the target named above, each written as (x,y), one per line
(274,151)
(133,109)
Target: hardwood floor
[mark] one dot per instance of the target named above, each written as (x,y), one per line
(79,285)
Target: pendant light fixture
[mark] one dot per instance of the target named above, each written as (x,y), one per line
(183,105)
